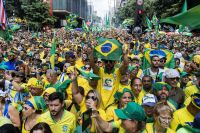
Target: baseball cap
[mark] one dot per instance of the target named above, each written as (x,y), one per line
(132,111)
(171,73)
(149,100)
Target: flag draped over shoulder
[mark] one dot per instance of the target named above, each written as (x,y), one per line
(108,49)
(2,15)
(170,63)
(53,52)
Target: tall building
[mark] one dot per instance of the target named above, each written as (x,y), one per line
(61,8)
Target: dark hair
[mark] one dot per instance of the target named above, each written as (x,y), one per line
(177,59)
(8,128)
(132,80)
(41,126)
(153,57)
(55,96)
(147,76)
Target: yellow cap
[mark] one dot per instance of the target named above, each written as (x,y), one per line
(49,90)
(196,59)
(33,82)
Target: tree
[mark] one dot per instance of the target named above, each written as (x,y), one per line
(162,9)
(128,11)
(36,12)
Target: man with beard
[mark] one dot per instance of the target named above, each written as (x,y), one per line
(108,74)
(154,71)
(161,91)
(171,76)
(147,82)
(59,119)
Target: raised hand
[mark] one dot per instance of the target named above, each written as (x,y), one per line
(73,74)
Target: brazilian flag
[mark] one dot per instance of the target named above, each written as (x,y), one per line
(170,63)
(108,49)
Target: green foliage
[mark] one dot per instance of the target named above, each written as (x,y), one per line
(36,12)
(128,11)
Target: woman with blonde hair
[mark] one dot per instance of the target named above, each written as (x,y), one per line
(163,115)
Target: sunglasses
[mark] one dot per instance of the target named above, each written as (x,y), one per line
(91,97)
(162,61)
(174,79)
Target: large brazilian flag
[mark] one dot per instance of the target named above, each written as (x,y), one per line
(108,49)
(170,63)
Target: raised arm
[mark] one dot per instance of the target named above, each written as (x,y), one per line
(104,125)
(124,66)
(75,91)
(92,62)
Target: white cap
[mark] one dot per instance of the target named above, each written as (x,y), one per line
(172,73)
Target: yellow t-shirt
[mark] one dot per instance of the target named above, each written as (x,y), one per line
(81,82)
(125,86)
(67,124)
(117,124)
(149,129)
(79,63)
(147,45)
(108,85)
(187,101)
(180,117)
(24,130)
(190,90)
(110,112)
(140,96)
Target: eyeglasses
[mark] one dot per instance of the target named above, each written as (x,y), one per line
(91,97)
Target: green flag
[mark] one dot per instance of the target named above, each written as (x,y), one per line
(108,49)
(53,52)
(184,8)
(64,85)
(149,24)
(189,18)
(84,26)
(107,21)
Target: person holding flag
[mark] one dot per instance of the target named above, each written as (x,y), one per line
(110,51)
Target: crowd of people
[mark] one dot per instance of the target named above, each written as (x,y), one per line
(151,86)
